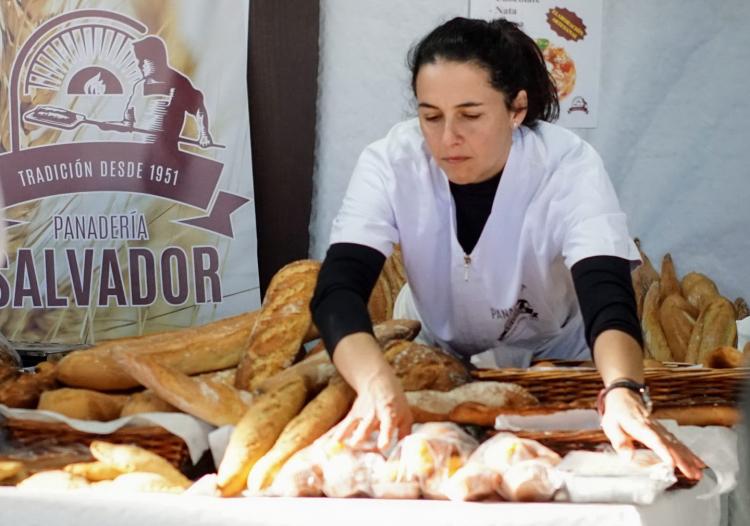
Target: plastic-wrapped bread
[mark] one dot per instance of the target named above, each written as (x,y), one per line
(429,456)
(282,325)
(517,469)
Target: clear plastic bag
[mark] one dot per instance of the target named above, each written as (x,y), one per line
(515,468)
(428,457)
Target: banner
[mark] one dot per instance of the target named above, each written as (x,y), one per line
(569,34)
(125,167)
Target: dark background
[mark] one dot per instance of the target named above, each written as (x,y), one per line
(282,86)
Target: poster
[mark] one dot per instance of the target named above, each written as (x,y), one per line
(569,34)
(125,167)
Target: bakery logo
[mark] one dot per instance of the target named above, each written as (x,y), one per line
(579,104)
(118,112)
(522,309)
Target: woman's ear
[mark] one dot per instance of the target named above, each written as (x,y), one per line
(519,107)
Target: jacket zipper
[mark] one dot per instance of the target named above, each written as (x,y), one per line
(467,262)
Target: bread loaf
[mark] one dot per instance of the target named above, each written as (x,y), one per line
(146,402)
(23,391)
(130,458)
(54,480)
(10,469)
(215,402)
(93,471)
(282,325)
(677,323)
(643,276)
(699,415)
(716,327)
(389,283)
(422,367)
(741,308)
(386,332)
(723,358)
(699,290)
(83,404)
(438,406)
(256,433)
(653,335)
(210,347)
(668,283)
(317,417)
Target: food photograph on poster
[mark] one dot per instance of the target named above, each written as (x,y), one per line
(426,261)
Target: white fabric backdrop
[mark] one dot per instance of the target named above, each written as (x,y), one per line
(672,127)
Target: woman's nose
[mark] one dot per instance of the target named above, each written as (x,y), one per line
(451,133)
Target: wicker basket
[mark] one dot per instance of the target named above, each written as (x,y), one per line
(154,438)
(669,387)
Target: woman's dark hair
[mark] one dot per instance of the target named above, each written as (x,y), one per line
(512,59)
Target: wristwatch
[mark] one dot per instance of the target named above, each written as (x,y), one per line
(626,383)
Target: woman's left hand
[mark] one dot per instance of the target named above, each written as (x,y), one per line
(626,419)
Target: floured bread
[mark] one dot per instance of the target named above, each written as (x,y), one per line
(422,367)
(282,325)
(489,394)
(128,459)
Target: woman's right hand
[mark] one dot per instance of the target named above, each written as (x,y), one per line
(380,404)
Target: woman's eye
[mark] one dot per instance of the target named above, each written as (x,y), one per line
(472,116)
(431,118)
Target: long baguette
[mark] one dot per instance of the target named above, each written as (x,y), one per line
(213,401)
(653,335)
(699,415)
(280,329)
(320,415)
(256,433)
(210,347)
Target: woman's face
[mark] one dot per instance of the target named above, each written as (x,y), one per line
(465,121)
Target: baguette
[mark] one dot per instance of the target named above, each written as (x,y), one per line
(699,415)
(256,433)
(474,403)
(386,332)
(643,276)
(281,327)
(699,290)
(317,417)
(653,335)
(210,347)
(129,458)
(213,401)
(677,322)
(668,283)
(83,404)
(716,327)
(389,283)
(146,402)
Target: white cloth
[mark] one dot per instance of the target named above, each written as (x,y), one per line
(554,206)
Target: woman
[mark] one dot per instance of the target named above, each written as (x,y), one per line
(513,241)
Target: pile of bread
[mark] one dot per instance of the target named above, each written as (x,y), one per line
(246,371)
(687,320)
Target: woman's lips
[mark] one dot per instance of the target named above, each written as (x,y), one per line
(455,160)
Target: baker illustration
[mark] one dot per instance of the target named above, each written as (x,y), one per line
(161,98)
(155,109)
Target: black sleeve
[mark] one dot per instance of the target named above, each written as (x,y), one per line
(347,277)
(605,293)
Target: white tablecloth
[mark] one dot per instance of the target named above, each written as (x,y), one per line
(85,508)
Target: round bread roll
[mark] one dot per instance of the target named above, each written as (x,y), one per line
(422,367)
